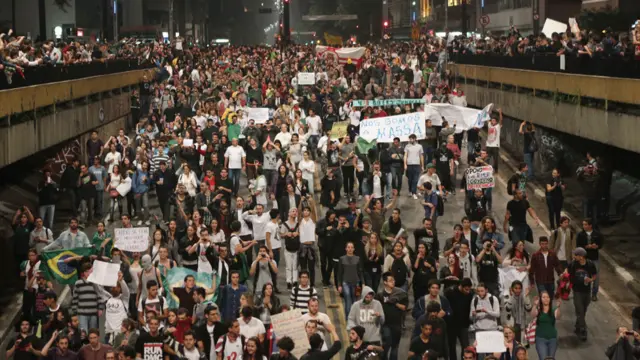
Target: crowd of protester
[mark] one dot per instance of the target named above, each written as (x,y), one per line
(237,199)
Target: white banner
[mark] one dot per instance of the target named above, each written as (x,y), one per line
(384,129)
(104,273)
(306,78)
(290,323)
(463,117)
(490,342)
(132,239)
(259,115)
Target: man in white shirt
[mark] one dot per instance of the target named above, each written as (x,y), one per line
(235,160)
(259,220)
(493,140)
(413,164)
(315,129)
(272,239)
(314,314)
(200,119)
(250,326)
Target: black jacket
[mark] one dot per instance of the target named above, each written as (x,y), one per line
(70,178)
(582,240)
(284,206)
(168,183)
(314,354)
(203,335)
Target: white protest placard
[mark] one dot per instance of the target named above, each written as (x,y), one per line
(386,128)
(552,26)
(490,342)
(306,78)
(259,115)
(187,142)
(104,273)
(290,323)
(132,239)
(480,178)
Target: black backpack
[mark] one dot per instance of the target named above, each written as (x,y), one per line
(475,300)
(399,271)
(224,343)
(291,244)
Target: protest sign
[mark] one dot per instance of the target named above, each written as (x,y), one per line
(187,142)
(259,115)
(132,239)
(464,118)
(306,78)
(290,323)
(552,26)
(104,273)
(480,178)
(384,129)
(339,130)
(387,102)
(490,342)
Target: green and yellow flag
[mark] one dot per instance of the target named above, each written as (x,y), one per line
(56,269)
(175,279)
(363,146)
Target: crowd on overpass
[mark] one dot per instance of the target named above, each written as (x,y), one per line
(257,173)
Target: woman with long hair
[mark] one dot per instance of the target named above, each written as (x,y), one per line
(188,179)
(546,331)
(128,334)
(424,270)
(300,184)
(198,221)
(373,261)
(269,305)
(510,344)
(173,236)
(102,239)
(308,168)
(246,300)
(252,350)
(295,151)
(216,234)
(350,274)
(189,259)
(135,269)
(164,263)
(489,231)
(521,353)
(281,181)
(396,259)
(450,273)
(115,179)
(157,240)
(517,257)
(127,170)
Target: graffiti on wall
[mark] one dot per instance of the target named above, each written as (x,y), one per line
(59,162)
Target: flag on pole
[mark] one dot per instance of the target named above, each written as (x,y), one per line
(175,279)
(363,146)
(56,269)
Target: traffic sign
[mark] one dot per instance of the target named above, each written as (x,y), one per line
(485,20)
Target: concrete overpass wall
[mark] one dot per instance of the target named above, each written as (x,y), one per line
(28,137)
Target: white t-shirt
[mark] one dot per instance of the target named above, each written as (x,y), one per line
(235,155)
(307,231)
(493,137)
(413,153)
(322,317)
(116,157)
(192,354)
(314,124)
(259,223)
(377,187)
(255,327)
(233,242)
(159,305)
(232,350)
(274,229)
(201,121)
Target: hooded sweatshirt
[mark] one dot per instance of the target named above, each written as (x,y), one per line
(488,319)
(362,314)
(468,267)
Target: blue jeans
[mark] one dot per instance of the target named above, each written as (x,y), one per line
(47,213)
(596,284)
(546,347)
(234,175)
(388,186)
(413,174)
(348,297)
(88,322)
(528,159)
(391,341)
(427,152)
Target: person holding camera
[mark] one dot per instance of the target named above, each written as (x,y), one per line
(488,261)
(627,345)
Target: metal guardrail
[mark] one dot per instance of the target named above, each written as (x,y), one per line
(44,74)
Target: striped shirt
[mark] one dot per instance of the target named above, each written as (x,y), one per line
(86,300)
(157,158)
(299,298)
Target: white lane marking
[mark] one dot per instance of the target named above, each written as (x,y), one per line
(602,291)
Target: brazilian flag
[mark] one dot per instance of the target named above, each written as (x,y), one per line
(363,146)
(175,279)
(55,269)
(240,264)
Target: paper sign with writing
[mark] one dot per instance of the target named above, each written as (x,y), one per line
(387,102)
(339,130)
(480,178)
(490,342)
(306,78)
(290,323)
(187,142)
(104,273)
(259,115)
(132,239)
(385,129)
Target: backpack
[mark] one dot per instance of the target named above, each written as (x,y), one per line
(399,271)
(224,343)
(161,302)
(475,301)
(291,244)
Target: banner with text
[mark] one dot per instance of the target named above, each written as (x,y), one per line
(339,130)
(306,78)
(387,102)
(290,323)
(259,115)
(480,178)
(132,239)
(384,129)
(463,117)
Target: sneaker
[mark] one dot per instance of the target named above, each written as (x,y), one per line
(415,197)
(139,223)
